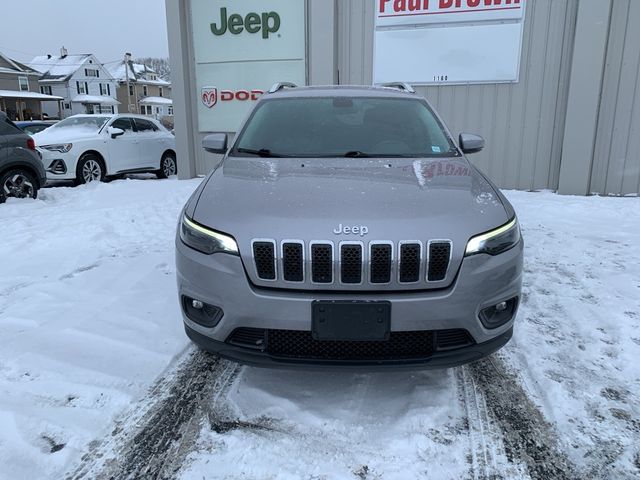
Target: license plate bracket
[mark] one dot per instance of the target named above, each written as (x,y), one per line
(351,320)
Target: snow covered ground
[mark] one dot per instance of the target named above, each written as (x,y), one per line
(88,315)
(89,321)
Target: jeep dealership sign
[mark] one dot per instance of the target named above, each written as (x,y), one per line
(448,41)
(241,49)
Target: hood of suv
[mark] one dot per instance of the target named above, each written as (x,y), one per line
(310,200)
(52,136)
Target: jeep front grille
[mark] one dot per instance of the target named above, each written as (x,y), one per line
(264,255)
(352,263)
(293,261)
(410,260)
(322,263)
(439,256)
(380,263)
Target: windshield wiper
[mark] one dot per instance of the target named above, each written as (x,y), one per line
(356,154)
(263,152)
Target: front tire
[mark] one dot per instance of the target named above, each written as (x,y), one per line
(168,166)
(90,169)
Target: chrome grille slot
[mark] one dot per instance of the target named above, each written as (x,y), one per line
(322,263)
(439,257)
(292,262)
(380,263)
(351,263)
(410,254)
(264,255)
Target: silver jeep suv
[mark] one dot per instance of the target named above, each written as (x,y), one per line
(345,227)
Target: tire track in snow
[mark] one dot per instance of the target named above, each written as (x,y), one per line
(153,445)
(486,447)
(527,437)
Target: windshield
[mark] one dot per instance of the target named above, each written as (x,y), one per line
(343,127)
(92,123)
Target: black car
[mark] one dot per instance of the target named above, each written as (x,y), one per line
(21,170)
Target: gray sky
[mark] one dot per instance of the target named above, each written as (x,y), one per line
(106,28)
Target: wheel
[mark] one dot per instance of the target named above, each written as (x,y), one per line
(18,183)
(90,169)
(168,166)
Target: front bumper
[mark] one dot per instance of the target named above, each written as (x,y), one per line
(59,166)
(220,280)
(445,359)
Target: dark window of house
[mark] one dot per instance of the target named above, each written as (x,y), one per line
(145,91)
(160,91)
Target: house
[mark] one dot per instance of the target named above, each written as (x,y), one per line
(84,83)
(141,90)
(20,96)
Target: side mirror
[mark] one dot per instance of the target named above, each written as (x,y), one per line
(115,132)
(215,143)
(470,143)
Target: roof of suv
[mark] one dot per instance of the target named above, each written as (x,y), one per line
(342,91)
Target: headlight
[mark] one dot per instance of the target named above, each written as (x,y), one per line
(496,241)
(204,240)
(59,147)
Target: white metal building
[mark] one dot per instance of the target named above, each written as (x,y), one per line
(552,85)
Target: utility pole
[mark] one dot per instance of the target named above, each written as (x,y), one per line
(127,59)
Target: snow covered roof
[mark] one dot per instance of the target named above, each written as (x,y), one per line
(137,73)
(156,101)
(95,99)
(16,67)
(32,95)
(54,67)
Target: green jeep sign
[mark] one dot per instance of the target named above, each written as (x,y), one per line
(268,22)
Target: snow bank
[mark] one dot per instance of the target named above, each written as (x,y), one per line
(88,315)
(577,341)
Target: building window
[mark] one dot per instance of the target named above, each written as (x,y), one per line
(160,93)
(131,91)
(45,89)
(170,110)
(24,84)
(67,106)
(90,72)
(82,87)
(105,89)
(145,90)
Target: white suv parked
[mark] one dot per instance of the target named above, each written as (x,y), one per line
(87,148)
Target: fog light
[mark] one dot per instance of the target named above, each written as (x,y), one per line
(499,314)
(57,166)
(202,313)
(197,304)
